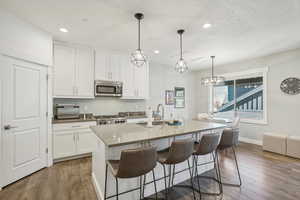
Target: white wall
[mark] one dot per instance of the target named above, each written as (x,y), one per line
(24,41)
(161,78)
(283,110)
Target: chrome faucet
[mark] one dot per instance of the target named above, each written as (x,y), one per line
(162,115)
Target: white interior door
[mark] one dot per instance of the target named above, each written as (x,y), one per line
(24,123)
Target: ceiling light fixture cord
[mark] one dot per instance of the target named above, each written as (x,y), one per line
(212,66)
(139,34)
(181,65)
(138,58)
(181,46)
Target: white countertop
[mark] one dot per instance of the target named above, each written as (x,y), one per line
(121,134)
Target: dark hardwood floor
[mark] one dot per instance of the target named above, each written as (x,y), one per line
(266,176)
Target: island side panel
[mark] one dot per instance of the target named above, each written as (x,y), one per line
(103,153)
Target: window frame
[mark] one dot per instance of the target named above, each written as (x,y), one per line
(246,74)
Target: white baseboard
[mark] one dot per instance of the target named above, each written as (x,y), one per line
(251,141)
(99,194)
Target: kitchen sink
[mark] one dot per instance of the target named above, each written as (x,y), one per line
(154,123)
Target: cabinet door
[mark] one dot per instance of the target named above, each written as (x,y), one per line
(86,142)
(141,79)
(64,71)
(64,144)
(102,63)
(85,73)
(127,77)
(114,68)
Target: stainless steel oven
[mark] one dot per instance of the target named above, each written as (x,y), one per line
(108,88)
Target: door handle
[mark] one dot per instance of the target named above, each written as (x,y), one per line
(8,127)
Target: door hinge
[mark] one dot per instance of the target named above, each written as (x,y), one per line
(47,77)
(46,150)
(47,113)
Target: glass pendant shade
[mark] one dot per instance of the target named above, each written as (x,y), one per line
(215,80)
(181,65)
(138,58)
(212,80)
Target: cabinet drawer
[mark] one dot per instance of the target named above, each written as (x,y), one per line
(72,126)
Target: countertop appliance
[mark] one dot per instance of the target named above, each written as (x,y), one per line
(110,119)
(108,88)
(67,111)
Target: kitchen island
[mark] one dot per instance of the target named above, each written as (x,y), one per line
(112,139)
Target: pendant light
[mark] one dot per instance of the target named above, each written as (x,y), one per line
(212,80)
(138,58)
(181,65)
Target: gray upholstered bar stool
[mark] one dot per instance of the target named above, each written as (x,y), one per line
(229,140)
(208,144)
(179,151)
(133,163)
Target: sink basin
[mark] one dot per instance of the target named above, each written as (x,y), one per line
(154,123)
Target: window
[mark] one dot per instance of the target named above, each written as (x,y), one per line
(241,93)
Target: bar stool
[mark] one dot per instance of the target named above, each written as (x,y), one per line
(229,140)
(133,163)
(208,144)
(178,152)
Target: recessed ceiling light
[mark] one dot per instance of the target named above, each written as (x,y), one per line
(207,25)
(64,30)
(156,51)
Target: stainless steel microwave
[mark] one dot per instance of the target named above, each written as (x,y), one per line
(108,88)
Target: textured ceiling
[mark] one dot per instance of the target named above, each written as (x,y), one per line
(241,29)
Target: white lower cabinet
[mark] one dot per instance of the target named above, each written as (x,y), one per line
(72,139)
(64,144)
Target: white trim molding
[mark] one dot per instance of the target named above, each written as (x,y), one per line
(251,141)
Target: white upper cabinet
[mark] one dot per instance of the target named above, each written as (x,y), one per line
(101,66)
(107,67)
(141,78)
(127,77)
(116,67)
(73,72)
(85,73)
(135,80)
(64,71)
